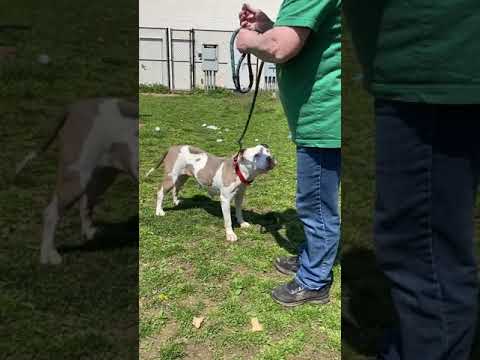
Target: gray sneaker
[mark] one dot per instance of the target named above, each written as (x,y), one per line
(293,294)
(287,265)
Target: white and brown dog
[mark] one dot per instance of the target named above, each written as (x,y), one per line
(228,177)
(98,139)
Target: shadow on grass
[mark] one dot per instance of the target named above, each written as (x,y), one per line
(109,237)
(367,312)
(366,306)
(272,222)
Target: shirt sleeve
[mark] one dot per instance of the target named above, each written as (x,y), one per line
(305,13)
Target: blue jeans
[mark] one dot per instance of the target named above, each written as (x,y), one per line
(318,179)
(427,175)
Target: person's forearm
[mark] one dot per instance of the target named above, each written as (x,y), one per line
(267,47)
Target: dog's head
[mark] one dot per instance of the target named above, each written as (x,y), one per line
(257,159)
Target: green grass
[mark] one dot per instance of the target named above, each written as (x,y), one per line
(86,308)
(187,268)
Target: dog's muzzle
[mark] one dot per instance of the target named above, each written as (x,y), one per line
(265,163)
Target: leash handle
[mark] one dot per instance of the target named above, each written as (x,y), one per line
(236,68)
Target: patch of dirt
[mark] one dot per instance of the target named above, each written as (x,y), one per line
(198,352)
(312,352)
(150,347)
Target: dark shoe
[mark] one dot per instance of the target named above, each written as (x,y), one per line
(287,265)
(293,294)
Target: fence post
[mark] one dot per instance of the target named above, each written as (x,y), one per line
(172,57)
(193,58)
(168,57)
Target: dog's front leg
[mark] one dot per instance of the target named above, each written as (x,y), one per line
(238,207)
(227,217)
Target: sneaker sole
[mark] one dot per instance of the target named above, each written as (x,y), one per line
(302,302)
(283,270)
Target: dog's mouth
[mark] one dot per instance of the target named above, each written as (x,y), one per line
(265,163)
(271,163)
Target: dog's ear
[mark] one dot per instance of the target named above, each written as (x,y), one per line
(265,146)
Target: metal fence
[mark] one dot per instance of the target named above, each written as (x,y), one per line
(184,59)
(154,56)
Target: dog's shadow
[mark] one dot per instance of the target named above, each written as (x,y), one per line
(110,236)
(285,227)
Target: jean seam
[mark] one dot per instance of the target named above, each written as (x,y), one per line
(430,230)
(319,199)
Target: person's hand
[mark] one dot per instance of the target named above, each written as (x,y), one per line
(246,40)
(254,19)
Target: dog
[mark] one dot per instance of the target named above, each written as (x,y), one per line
(228,177)
(98,139)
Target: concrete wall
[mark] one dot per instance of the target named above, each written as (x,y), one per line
(202,14)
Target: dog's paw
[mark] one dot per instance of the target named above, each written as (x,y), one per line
(160,213)
(231,236)
(89,233)
(50,257)
(177,202)
(245,225)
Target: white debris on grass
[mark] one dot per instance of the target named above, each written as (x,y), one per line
(203,125)
(157,128)
(219,140)
(212,127)
(198,321)
(43,59)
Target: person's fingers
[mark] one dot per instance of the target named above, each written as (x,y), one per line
(248,7)
(248,26)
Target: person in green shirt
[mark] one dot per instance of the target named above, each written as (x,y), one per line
(421,63)
(305,43)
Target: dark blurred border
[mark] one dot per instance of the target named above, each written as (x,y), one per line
(52,54)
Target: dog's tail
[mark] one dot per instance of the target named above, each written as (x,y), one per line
(34,154)
(160,162)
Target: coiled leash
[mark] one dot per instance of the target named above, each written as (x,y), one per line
(236,81)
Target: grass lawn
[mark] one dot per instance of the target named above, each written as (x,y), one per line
(366,302)
(188,269)
(87,307)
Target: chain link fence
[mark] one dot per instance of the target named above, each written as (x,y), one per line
(184,59)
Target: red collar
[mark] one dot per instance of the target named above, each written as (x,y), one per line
(239,172)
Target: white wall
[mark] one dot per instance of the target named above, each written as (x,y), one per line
(188,14)
(202,14)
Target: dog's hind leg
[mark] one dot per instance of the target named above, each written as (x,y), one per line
(182,179)
(166,186)
(101,180)
(51,217)
(69,190)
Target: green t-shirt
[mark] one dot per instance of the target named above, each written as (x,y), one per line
(418,50)
(310,84)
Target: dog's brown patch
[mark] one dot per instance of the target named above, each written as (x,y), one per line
(205,176)
(171,157)
(196,151)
